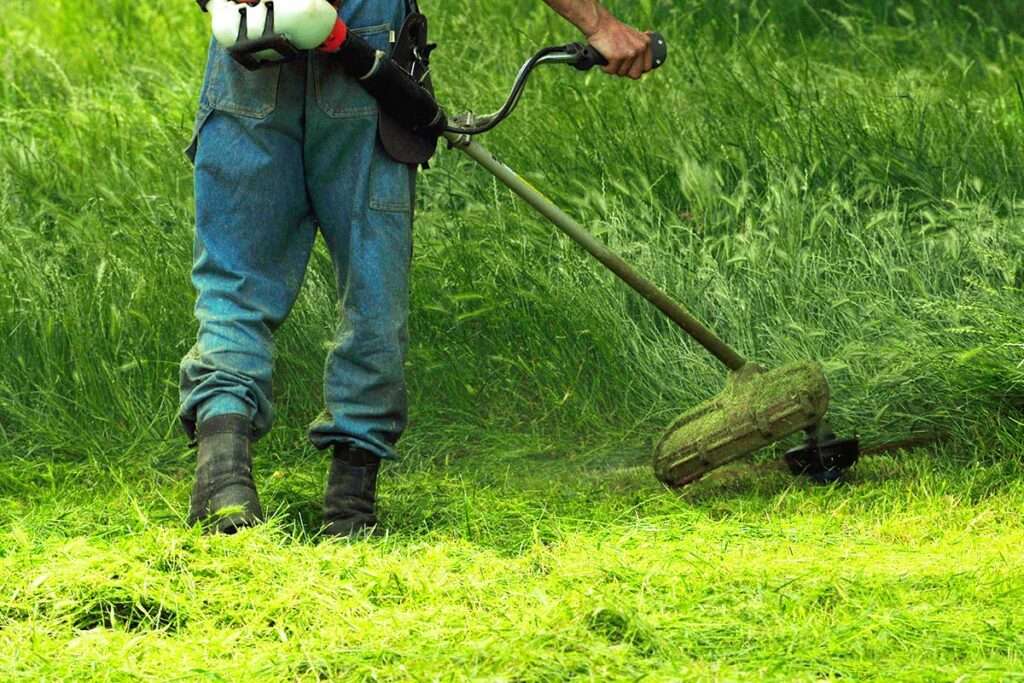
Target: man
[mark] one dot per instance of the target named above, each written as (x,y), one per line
(280,153)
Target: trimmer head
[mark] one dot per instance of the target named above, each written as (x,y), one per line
(823,456)
(757,408)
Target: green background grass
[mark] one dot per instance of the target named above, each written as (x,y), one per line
(815,179)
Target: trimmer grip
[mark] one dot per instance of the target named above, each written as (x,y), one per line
(589,57)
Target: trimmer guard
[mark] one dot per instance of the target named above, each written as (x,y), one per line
(756,408)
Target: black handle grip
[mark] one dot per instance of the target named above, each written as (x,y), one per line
(589,57)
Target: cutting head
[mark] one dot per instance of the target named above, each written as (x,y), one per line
(757,408)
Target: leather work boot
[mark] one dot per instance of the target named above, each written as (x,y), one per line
(351,500)
(224,497)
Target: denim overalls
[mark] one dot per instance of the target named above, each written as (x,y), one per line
(279,154)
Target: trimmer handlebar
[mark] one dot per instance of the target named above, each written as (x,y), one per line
(583,57)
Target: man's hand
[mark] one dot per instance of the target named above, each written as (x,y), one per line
(626,49)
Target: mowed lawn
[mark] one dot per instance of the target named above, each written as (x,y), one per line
(548,568)
(816,179)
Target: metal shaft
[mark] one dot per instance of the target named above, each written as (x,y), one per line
(647,289)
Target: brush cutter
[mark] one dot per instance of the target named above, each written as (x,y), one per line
(757,408)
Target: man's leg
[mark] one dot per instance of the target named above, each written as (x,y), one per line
(363,201)
(253,239)
(364,382)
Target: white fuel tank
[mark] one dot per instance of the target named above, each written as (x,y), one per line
(303,23)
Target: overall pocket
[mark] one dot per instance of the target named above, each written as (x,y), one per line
(340,96)
(392,183)
(233,89)
(230,88)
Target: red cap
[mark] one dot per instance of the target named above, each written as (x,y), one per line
(337,38)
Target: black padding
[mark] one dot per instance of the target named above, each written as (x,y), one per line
(409,103)
(412,53)
(411,119)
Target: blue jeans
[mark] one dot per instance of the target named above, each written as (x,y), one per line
(279,154)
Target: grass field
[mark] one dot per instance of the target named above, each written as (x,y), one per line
(815,178)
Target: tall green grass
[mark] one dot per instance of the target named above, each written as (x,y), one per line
(819,179)
(815,180)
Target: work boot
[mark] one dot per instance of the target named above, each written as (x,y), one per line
(351,500)
(224,497)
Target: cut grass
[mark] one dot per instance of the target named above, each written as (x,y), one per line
(815,179)
(538,570)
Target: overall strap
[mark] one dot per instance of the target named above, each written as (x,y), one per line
(412,6)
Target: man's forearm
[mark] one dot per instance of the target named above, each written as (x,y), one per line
(586,15)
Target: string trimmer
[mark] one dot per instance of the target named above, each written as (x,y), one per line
(757,408)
